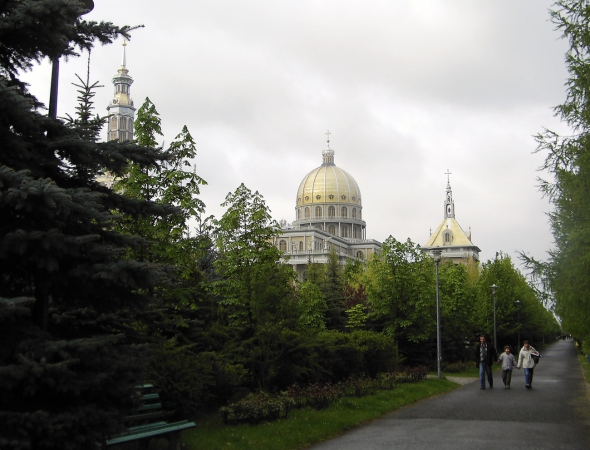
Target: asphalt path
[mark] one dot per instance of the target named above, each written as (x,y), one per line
(554,414)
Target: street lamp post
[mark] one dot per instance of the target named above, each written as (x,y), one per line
(494,289)
(88,6)
(436,254)
(517,303)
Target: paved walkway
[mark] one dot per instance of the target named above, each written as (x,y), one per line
(555,414)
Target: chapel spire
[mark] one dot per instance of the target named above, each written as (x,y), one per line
(449,203)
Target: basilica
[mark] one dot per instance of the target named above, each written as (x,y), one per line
(329,216)
(328,205)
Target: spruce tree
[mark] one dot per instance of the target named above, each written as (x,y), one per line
(69,296)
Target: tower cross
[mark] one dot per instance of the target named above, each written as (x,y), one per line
(328,134)
(447,173)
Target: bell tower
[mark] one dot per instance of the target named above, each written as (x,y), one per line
(449,203)
(121,110)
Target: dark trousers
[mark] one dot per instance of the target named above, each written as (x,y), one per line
(506,377)
(528,376)
(484,370)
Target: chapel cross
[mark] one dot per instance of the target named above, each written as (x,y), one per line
(447,173)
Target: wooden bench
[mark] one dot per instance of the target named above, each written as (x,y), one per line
(145,427)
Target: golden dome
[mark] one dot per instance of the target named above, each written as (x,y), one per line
(328,184)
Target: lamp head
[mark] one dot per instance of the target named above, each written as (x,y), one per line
(494,288)
(436,255)
(517,303)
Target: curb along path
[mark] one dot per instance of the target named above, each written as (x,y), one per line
(552,415)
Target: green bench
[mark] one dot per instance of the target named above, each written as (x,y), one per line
(146,428)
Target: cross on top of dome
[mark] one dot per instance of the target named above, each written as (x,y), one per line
(328,154)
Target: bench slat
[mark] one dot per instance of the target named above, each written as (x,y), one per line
(149,407)
(147,416)
(149,432)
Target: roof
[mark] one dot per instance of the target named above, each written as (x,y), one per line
(460,238)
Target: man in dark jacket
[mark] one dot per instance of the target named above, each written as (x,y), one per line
(485,355)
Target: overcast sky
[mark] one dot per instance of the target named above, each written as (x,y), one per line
(408,89)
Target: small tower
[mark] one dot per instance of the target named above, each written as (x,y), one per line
(121,109)
(454,243)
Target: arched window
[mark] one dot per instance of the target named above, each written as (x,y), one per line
(332,229)
(355,232)
(114,123)
(447,237)
(306,212)
(318,211)
(331,212)
(354,213)
(300,246)
(344,212)
(283,245)
(360,255)
(298,213)
(345,232)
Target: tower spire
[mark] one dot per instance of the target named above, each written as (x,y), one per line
(124,61)
(449,203)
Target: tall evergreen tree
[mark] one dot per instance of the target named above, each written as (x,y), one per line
(255,288)
(565,274)
(68,294)
(168,238)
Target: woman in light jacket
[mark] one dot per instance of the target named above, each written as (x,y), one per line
(525,361)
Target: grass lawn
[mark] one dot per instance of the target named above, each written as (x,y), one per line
(306,427)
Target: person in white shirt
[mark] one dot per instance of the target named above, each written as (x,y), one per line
(525,360)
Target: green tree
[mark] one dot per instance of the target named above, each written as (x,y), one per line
(68,359)
(249,262)
(312,307)
(535,320)
(333,289)
(402,292)
(168,239)
(568,163)
(255,289)
(457,300)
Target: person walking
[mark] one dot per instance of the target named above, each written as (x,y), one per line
(485,355)
(508,363)
(525,360)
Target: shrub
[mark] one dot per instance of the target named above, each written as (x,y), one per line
(257,408)
(339,355)
(412,374)
(379,351)
(360,385)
